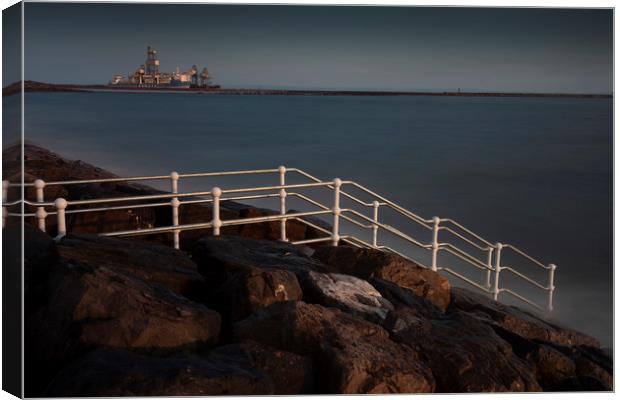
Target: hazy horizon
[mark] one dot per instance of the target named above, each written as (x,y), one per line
(534,50)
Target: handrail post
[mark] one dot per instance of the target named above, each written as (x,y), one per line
(61,205)
(39,186)
(5,198)
(489,266)
(175,204)
(375,226)
(282,172)
(435,243)
(498,268)
(336,212)
(551,286)
(216,192)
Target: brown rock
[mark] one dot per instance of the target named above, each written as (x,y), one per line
(350,355)
(251,289)
(291,373)
(563,368)
(94,307)
(220,257)
(369,263)
(516,320)
(466,355)
(151,262)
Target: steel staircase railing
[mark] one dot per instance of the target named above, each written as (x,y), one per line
(492,265)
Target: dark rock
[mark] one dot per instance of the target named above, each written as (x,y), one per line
(516,320)
(348,293)
(553,369)
(95,307)
(295,230)
(151,262)
(369,263)
(248,290)
(117,372)
(405,301)
(563,368)
(291,373)
(594,372)
(465,354)
(220,257)
(349,354)
(39,257)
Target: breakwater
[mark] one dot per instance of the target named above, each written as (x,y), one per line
(32,86)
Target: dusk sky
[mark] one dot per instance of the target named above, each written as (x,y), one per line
(389,48)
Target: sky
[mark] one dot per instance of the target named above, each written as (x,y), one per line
(328,47)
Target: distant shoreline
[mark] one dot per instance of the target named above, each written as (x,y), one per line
(32,86)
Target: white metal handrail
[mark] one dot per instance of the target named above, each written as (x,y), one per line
(492,265)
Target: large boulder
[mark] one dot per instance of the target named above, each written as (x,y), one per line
(348,293)
(250,289)
(516,320)
(465,354)
(563,368)
(118,372)
(220,257)
(350,354)
(372,263)
(151,262)
(290,373)
(99,307)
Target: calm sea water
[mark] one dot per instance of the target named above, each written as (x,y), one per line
(535,172)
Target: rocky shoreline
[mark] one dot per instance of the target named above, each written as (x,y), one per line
(245,314)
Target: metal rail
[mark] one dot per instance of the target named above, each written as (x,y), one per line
(491,264)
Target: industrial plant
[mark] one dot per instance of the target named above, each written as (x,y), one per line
(149,76)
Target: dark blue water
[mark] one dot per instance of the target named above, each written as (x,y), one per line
(536,172)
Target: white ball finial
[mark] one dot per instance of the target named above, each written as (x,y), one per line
(436,220)
(174,175)
(337,182)
(39,184)
(282,169)
(60,203)
(498,246)
(216,191)
(376,204)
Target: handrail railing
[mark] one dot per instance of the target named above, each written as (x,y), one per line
(492,265)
